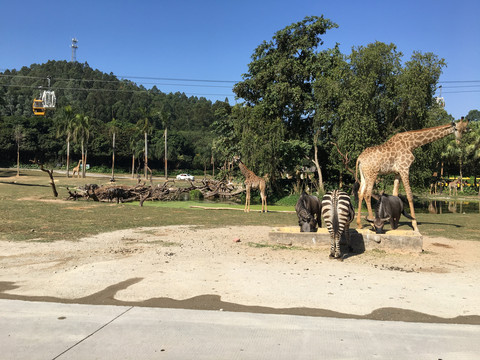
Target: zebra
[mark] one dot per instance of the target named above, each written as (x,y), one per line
(338,213)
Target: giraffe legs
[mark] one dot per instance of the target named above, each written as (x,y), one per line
(408,190)
(264,201)
(365,192)
(247,200)
(396,185)
(263,195)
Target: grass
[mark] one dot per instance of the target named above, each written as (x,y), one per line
(275,247)
(29,212)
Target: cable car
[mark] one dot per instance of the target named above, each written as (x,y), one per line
(38,108)
(47,100)
(440,101)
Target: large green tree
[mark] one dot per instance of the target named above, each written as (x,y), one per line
(279,89)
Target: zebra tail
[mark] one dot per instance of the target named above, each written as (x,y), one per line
(335,223)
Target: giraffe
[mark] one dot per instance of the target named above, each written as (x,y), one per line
(452,185)
(76,169)
(252,181)
(395,156)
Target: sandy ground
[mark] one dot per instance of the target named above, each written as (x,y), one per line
(230,269)
(195,267)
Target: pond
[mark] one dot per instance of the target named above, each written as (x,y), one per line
(447,207)
(424,206)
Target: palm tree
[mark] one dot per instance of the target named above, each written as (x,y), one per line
(146,127)
(18,132)
(81,133)
(473,147)
(164,116)
(133,145)
(113,128)
(456,152)
(64,124)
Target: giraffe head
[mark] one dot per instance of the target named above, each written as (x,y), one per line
(460,128)
(236,159)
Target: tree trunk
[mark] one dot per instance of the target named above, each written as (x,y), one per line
(68,156)
(461,175)
(113,157)
(166,159)
(146,156)
(83,160)
(133,166)
(319,169)
(18,158)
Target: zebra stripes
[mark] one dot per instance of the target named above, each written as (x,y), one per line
(338,213)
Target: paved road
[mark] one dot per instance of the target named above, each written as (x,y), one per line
(36,330)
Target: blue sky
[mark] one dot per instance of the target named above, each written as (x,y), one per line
(214,40)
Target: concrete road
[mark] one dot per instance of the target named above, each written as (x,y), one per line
(36,330)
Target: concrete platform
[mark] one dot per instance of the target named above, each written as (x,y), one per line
(361,239)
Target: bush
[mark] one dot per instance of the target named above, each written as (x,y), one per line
(289,200)
(195,195)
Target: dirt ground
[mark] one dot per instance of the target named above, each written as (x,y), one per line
(237,269)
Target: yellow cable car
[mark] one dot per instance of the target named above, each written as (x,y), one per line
(38,108)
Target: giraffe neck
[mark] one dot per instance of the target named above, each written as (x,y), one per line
(244,169)
(417,138)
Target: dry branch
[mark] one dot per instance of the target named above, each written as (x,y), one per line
(165,192)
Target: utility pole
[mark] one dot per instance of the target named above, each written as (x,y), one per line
(74,49)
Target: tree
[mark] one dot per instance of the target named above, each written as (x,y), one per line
(146,127)
(164,117)
(134,145)
(279,86)
(113,128)
(456,153)
(19,136)
(329,95)
(375,97)
(64,122)
(473,143)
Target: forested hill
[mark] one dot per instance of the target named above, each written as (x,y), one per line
(102,97)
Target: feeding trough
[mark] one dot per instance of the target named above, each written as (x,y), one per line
(360,239)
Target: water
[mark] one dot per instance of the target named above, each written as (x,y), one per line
(446,207)
(424,206)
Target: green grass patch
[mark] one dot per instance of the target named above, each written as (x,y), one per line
(275,247)
(29,212)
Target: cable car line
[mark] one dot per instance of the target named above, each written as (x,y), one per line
(120,78)
(111,90)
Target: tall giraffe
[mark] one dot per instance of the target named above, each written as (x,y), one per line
(395,156)
(252,181)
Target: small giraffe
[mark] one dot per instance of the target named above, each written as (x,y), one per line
(76,169)
(252,181)
(434,183)
(452,185)
(395,156)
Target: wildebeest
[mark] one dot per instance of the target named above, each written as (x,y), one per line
(308,210)
(389,208)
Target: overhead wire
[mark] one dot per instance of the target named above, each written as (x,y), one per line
(108,90)
(208,85)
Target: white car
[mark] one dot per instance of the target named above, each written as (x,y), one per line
(185,177)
